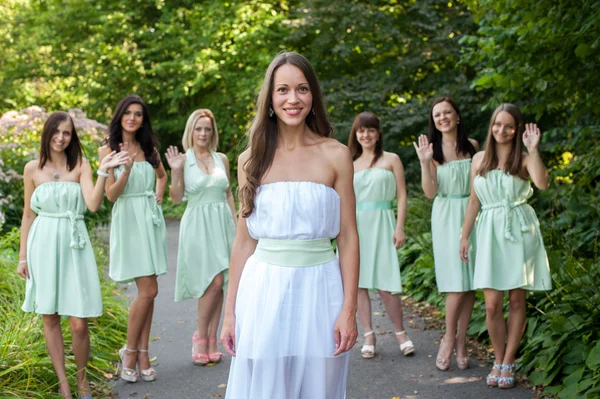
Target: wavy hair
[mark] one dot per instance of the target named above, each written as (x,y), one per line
(263,131)
(366,120)
(514,166)
(463,145)
(73,151)
(187,140)
(144,135)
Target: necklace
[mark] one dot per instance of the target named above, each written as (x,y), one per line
(202,162)
(56,175)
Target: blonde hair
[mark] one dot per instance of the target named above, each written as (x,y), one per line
(187,141)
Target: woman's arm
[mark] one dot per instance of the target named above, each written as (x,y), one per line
(398,170)
(176,161)
(243,247)
(230,200)
(428,175)
(345,331)
(161,181)
(28,217)
(533,161)
(472,209)
(93,194)
(115,188)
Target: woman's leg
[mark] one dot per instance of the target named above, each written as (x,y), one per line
(516,323)
(140,321)
(209,308)
(81,350)
(56,350)
(494,319)
(364,315)
(464,318)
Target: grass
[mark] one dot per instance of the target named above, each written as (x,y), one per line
(25,367)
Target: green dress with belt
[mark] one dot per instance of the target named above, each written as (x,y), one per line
(138,236)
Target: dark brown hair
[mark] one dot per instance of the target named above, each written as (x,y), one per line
(144,135)
(366,120)
(73,151)
(463,145)
(263,131)
(515,159)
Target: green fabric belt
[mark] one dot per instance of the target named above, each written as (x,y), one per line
(77,240)
(294,253)
(373,206)
(453,196)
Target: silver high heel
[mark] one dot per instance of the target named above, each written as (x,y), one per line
(147,375)
(127,374)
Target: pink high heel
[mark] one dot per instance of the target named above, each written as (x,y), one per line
(214,357)
(200,359)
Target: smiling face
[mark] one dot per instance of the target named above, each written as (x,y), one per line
(291,96)
(504,128)
(445,117)
(367,137)
(203,132)
(61,138)
(132,119)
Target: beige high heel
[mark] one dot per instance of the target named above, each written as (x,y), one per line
(127,374)
(147,375)
(368,351)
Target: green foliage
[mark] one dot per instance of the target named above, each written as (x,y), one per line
(25,368)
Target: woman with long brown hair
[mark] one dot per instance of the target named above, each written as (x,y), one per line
(290,313)
(510,251)
(378,179)
(445,157)
(56,255)
(138,235)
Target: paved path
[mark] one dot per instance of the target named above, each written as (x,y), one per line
(389,375)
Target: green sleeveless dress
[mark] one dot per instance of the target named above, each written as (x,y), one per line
(510,249)
(375,190)
(62,268)
(207,229)
(138,236)
(447,217)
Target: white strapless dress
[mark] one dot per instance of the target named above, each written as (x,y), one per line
(285,316)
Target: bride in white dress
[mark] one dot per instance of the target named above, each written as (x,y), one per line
(290,314)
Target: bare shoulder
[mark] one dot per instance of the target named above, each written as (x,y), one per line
(244,157)
(336,150)
(475,143)
(85,162)
(392,157)
(30,167)
(223,158)
(477,158)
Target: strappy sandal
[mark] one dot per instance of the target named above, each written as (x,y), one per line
(127,374)
(214,357)
(507,382)
(442,363)
(407,348)
(368,351)
(492,380)
(149,374)
(200,359)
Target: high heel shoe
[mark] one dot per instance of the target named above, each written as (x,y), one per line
(149,374)
(368,351)
(407,348)
(200,359)
(492,380)
(507,382)
(442,363)
(214,357)
(127,374)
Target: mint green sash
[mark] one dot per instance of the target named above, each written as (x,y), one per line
(294,253)
(453,196)
(373,206)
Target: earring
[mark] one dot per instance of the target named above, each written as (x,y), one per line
(458,122)
(313,111)
(271,112)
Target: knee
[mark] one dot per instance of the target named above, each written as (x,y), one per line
(79,327)
(516,304)
(494,309)
(148,293)
(51,321)
(216,287)
(386,296)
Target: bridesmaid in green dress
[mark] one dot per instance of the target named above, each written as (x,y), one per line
(201,177)
(138,237)
(445,157)
(510,252)
(56,255)
(378,179)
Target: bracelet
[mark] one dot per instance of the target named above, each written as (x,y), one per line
(101,173)
(22,262)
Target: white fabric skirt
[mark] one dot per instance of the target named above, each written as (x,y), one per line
(284,333)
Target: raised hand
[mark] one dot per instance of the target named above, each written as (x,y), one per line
(175,159)
(113,160)
(531,137)
(126,147)
(424,149)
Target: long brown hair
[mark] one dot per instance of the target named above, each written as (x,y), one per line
(263,131)
(463,145)
(73,151)
(514,166)
(366,120)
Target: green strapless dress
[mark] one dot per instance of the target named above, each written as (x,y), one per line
(510,249)
(375,190)
(138,236)
(207,229)
(62,268)
(447,217)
